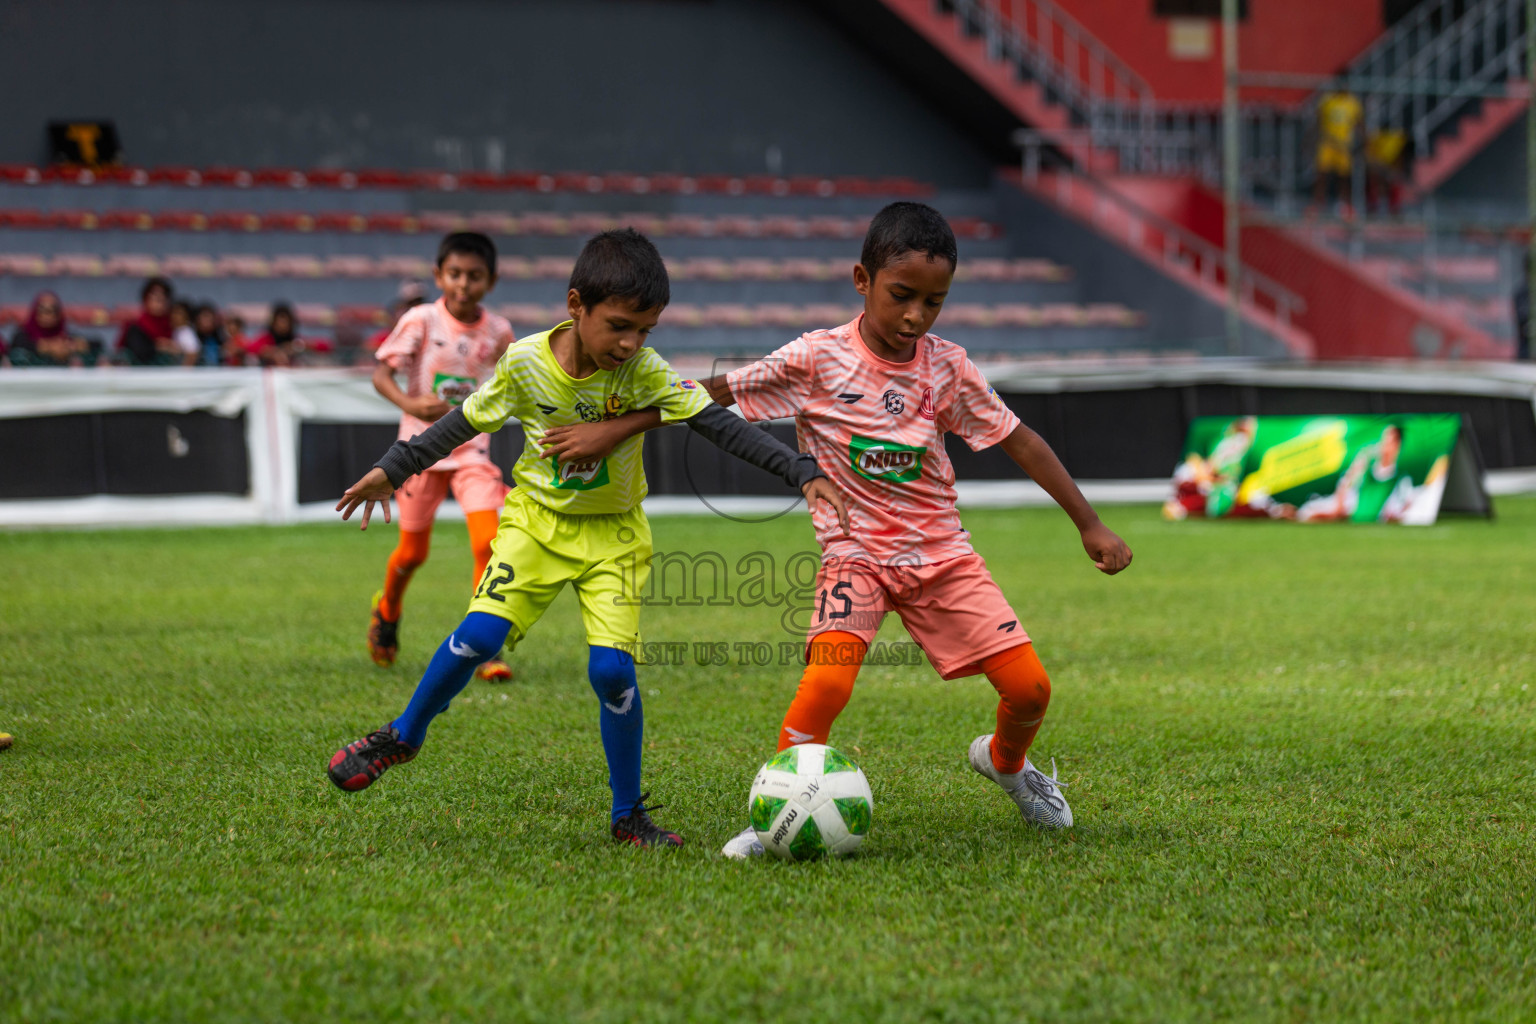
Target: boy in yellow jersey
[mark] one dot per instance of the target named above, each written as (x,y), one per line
(575,515)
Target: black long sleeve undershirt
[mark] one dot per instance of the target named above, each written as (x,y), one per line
(725,430)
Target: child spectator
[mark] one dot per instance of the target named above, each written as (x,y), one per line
(182,333)
(147,340)
(281,342)
(237,344)
(210,338)
(44,339)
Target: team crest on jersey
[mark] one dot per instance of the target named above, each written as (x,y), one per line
(580,476)
(452,389)
(874,459)
(612,407)
(925,410)
(895,402)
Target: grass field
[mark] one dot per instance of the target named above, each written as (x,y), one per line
(1302,761)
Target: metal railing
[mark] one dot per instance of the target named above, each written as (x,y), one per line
(1074,70)
(1171,244)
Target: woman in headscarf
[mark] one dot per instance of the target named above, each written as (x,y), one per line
(149,340)
(44,339)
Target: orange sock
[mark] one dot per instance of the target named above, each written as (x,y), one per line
(403,563)
(832,666)
(482,530)
(1024,691)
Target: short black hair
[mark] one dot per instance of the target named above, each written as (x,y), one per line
(150,284)
(901,228)
(621,264)
(468,243)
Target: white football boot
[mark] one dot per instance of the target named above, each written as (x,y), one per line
(1037,794)
(742,845)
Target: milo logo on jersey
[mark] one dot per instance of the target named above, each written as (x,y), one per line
(451,389)
(885,460)
(580,476)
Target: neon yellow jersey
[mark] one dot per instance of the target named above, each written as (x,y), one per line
(529,385)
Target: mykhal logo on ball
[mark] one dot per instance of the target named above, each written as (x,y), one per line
(874,459)
(810,800)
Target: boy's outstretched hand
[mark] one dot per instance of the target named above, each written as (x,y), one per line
(375,487)
(1110,554)
(582,442)
(822,489)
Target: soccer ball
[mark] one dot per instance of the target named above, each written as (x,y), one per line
(810,800)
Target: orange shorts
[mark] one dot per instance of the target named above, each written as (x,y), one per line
(953,609)
(477,487)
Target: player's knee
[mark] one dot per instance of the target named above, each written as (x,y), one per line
(1021,681)
(481,633)
(612,675)
(411,552)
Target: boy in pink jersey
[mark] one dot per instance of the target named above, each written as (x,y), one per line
(872,401)
(445,350)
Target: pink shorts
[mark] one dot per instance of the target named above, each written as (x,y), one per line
(477,487)
(953,609)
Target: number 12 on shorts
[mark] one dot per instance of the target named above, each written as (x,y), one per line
(491,582)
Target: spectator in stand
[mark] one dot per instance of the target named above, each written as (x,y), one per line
(147,341)
(182,332)
(281,343)
(1338,130)
(1386,169)
(237,345)
(210,335)
(45,340)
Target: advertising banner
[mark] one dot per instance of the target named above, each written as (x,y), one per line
(1318,469)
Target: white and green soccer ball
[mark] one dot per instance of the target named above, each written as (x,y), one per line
(808,801)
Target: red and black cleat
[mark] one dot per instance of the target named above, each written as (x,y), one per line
(383,635)
(637,828)
(356,765)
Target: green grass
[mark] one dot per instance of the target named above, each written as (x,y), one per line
(1302,762)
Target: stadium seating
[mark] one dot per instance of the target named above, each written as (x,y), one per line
(1471,274)
(753,260)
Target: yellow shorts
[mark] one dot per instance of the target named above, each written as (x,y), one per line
(1334,158)
(537,551)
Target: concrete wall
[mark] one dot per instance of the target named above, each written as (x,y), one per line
(704,86)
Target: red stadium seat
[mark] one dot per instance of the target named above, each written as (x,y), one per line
(24,264)
(300,265)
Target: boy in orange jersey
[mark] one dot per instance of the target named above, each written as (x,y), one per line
(872,401)
(445,350)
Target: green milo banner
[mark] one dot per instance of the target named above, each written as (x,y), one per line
(1317,469)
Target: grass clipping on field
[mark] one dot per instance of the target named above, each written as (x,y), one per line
(1301,761)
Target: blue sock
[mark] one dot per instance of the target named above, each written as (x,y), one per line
(612,674)
(478,638)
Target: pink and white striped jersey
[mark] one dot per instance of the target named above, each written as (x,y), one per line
(439,354)
(877,429)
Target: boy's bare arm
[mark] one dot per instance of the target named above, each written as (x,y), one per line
(423,407)
(719,390)
(1029,450)
(575,442)
(578,442)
